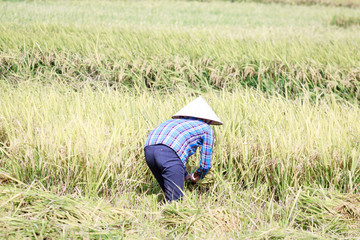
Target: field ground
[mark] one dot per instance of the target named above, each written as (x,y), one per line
(82,83)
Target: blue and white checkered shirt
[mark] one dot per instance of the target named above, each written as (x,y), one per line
(184,136)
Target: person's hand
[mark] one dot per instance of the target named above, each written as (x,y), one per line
(194,178)
(187,177)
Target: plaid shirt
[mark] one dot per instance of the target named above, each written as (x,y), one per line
(184,136)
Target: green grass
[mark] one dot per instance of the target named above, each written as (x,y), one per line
(338,3)
(31,212)
(53,133)
(154,14)
(163,59)
(88,143)
(83,83)
(245,45)
(345,21)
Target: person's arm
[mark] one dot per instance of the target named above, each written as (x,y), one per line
(205,159)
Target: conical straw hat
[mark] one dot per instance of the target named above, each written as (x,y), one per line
(199,109)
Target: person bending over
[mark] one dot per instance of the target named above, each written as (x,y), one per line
(169,146)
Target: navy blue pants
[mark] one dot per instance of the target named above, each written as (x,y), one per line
(168,170)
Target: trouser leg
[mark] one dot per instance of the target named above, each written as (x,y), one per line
(151,162)
(168,170)
(173,180)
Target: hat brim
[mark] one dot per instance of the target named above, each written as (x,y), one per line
(198,108)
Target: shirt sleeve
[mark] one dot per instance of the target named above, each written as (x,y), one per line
(206,152)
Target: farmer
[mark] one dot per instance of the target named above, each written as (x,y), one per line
(169,146)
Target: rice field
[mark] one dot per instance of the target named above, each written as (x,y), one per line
(82,83)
